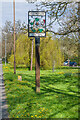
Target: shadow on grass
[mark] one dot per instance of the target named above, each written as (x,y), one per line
(52,79)
(50,90)
(24,95)
(61,111)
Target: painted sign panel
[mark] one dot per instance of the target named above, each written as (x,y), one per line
(36,24)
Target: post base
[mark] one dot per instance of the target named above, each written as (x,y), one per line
(37,89)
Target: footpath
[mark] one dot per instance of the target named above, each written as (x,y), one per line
(3,103)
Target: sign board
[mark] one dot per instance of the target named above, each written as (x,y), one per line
(36,24)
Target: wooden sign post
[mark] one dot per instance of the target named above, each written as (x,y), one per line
(37,63)
(37,29)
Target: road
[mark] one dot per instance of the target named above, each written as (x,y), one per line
(3,103)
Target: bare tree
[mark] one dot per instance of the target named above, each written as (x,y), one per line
(65,14)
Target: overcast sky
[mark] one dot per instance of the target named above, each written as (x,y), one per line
(21,11)
(22,8)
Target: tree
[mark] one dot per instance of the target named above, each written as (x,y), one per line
(8,28)
(69,46)
(22,51)
(49,51)
(65,14)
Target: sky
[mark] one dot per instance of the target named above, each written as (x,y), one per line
(41,0)
(22,8)
(21,11)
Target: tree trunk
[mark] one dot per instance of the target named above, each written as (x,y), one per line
(53,65)
(14,36)
(32,54)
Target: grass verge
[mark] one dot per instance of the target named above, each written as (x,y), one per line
(58,96)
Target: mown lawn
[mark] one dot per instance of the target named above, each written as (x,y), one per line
(58,96)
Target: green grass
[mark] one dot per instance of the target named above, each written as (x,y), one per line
(58,97)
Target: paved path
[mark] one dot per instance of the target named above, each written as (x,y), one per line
(3,103)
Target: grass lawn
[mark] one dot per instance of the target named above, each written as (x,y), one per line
(58,96)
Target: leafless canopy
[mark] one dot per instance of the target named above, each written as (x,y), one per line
(65,14)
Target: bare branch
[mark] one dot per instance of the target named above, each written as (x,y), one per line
(63,33)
